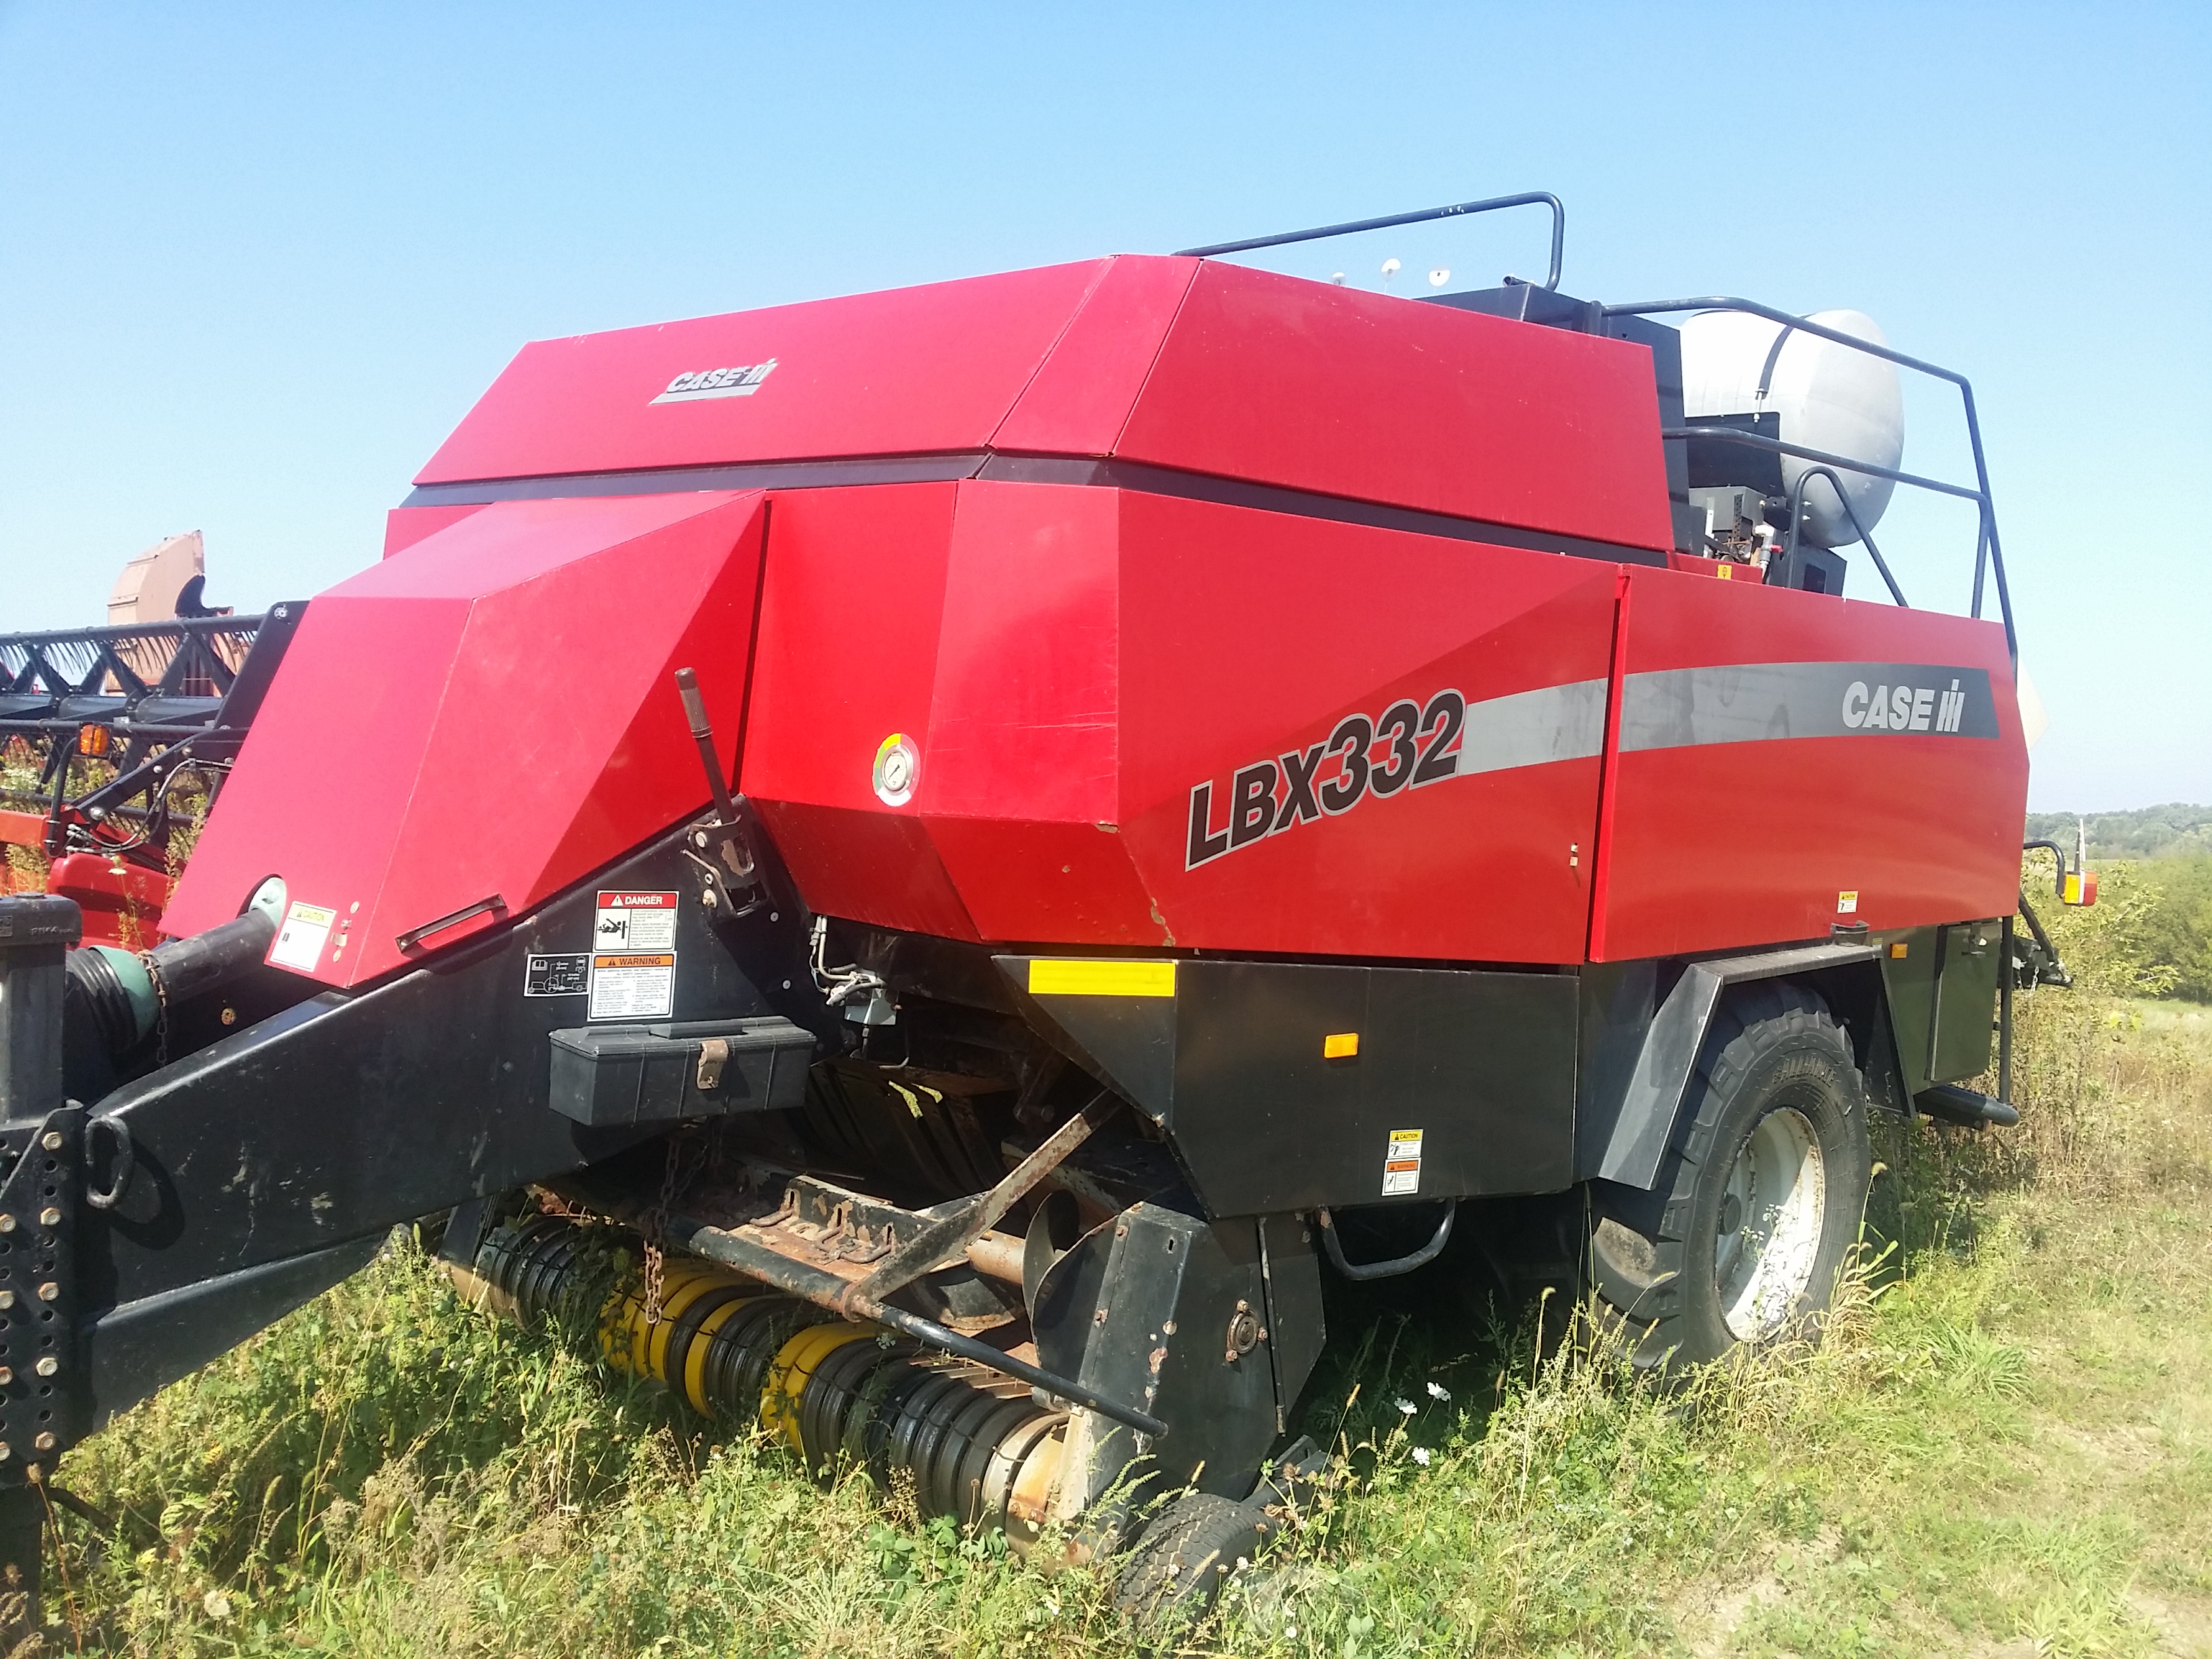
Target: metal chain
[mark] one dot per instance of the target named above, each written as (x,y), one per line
(161,1008)
(656,1219)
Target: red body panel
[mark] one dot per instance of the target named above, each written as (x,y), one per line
(1711,845)
(1071,662)
(501,693)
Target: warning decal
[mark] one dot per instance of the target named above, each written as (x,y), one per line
(634,922)
(1402,1164)
(299,943)
(633,985)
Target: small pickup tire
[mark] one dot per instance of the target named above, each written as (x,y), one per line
(1176,1572)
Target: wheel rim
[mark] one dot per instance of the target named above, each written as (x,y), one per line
(1770,1224)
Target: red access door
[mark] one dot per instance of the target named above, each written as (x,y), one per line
(1789,761)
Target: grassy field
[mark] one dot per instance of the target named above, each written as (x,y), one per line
(2003,1447)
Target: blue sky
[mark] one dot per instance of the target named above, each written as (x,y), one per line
(256,261)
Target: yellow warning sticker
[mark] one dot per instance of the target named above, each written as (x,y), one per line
(1100,977)
(1402,1164)
(1847,903)
(633,985)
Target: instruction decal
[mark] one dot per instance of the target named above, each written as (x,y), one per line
(299,943)
(557,976)
(628,921)
(1402,1164)
(633,985)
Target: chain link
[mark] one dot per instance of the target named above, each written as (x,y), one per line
(674,1178)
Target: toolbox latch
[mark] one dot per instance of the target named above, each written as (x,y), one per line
(713,1053)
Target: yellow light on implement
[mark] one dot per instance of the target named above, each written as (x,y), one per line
(1897,950)
(1101,976)
(92,739)
(1339,1045)
(2080,888)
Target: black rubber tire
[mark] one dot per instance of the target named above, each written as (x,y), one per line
(1772,1045)
(1185,1556)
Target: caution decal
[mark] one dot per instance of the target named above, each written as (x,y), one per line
(1401,1164)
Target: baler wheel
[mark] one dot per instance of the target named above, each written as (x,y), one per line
(1761,1197)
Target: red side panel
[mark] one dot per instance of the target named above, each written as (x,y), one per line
(490,711)
(914,369)
(851,607)
(1248,637)
(1072,664)
(1756,799)
(1316,388)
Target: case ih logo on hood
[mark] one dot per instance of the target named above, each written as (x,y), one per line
(739,382)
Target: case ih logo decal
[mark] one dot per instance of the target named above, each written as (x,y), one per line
(739,382)
(1410,745)
(1903,707)
(1751,701)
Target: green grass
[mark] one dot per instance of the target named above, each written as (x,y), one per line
(2004,1448)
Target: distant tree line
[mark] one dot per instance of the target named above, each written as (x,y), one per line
(2173,830)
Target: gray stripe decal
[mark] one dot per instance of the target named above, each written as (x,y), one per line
(1746,703)
(1530,728)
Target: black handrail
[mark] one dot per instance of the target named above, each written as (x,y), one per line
(1526,198)
(1796,524)
(1989,552)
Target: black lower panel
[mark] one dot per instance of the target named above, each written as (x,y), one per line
(344,1114)
(1480,1066)
(1287,1085)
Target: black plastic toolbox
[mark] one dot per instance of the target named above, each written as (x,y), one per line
(610,1076)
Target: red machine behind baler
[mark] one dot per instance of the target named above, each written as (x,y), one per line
(1224,766)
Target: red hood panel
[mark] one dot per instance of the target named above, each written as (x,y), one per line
(489,712)
(1178,363)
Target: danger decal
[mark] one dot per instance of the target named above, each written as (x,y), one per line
(1408,746)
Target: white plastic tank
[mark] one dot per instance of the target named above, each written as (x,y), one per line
(1827,396)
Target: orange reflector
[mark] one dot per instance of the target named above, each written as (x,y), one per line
(92,739)
(1897,950)
(1339,1045)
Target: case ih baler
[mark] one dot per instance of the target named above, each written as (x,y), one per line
(1001,831)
